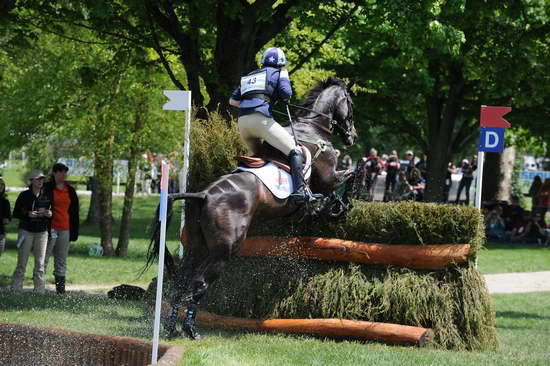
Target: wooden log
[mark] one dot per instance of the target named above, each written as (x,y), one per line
(335,328)
(409,256)
(434,256)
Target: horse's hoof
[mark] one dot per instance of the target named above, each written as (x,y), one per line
(173,334)
(191,331)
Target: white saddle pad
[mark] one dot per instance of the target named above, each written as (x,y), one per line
(278,180)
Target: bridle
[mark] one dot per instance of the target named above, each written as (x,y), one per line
(347,131)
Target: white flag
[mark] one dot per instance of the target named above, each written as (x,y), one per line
(180,100)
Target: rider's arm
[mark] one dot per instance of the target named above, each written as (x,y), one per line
(235,98)
(284,88)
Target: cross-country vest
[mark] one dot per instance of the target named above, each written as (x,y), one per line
(257,85)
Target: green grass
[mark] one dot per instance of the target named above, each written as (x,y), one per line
(83,269)
(516,257)
(523,323)
(14,174)
(523,320)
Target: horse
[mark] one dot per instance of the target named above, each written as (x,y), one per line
(220,216)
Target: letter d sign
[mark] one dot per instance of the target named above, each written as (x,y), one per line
(491,139)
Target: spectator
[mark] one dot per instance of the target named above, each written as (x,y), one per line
(64,224)
(384,160)
(409,157)
(512,213)
(467,170)
(5,215)
(402,190)
(33,209)
(451,169)
(521,228)
(345,163)
(392,169)
(374,163)
(417,184)
(536,230)
(422,165)
(544,197)
(495,226)
(534,193)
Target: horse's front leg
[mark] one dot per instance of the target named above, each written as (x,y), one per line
(181,284)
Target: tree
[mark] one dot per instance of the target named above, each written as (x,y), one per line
(66,91)
(425,68)
(215,41)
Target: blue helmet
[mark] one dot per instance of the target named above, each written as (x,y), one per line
(274,57)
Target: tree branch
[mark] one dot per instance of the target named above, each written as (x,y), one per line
(341,22)
(165,63)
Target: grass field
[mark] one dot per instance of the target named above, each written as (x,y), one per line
(83,269)
(523,323)
(523,320)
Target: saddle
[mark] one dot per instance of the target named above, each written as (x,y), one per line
(260,159)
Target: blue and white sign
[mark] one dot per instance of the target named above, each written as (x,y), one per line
(491,139)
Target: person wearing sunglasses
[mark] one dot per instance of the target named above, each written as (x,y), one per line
(33,209)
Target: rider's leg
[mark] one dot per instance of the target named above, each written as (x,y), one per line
(275,135)
(296,169)
(248,131)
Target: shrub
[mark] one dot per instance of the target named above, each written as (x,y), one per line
(214,144)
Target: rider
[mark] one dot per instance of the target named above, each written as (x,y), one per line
(255,96)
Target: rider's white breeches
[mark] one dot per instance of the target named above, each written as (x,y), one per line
(256,127)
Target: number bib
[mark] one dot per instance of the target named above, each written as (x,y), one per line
(254,83)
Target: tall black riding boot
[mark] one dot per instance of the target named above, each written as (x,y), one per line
(189,324)
(296,170)
(60,284)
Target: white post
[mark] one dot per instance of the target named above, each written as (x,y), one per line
(160,275)
(185,171)
(117,181)
(479,180)
(180,100)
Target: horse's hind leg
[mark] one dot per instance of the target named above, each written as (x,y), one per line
(207,273)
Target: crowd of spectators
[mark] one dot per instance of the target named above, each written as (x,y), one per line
(406,180)
(510,222)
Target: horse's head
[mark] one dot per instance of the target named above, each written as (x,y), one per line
(343,117)
(330,107)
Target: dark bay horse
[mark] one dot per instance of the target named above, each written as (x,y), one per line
(218,218)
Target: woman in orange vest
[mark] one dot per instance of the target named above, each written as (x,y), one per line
(64,224)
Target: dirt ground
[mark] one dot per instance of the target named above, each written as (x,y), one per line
(508,283)
(505,283)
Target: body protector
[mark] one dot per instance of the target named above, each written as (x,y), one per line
(262,86)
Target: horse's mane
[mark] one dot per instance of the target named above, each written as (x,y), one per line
(312,95)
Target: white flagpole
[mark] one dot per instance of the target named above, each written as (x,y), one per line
(160,277)
(479,181)
(180,100)
(185,172)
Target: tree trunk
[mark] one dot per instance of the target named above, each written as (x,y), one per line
(93,210)
(135,151)
(491,177)
(507,159)
(104,168)
(441,123)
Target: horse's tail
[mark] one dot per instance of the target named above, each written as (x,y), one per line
(154,245)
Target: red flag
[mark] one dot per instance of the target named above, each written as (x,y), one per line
(492,117)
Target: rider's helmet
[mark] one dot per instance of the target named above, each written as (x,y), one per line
(274,57)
